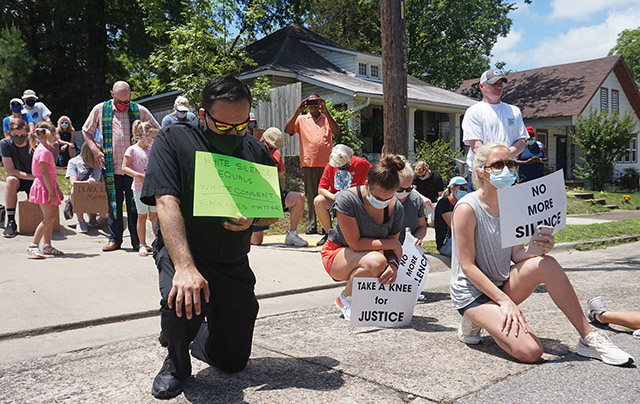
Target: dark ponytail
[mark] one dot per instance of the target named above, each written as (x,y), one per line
(384,173)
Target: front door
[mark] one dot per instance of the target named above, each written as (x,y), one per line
(561,154)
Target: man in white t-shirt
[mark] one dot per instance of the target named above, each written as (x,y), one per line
(492,120)
(39,112)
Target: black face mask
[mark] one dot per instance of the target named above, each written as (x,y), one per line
(30,102)
(225,144)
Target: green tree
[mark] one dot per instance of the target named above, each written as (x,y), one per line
(196,51)
(347,134)
(603,138)
(439,156)
(628,45)
(15,63)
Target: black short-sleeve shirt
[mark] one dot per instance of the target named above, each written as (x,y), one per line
(21,156)
(429,187)
(171,171)
(442,229)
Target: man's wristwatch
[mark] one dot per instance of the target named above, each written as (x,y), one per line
(394,262)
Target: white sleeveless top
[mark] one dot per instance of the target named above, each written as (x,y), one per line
(493,260)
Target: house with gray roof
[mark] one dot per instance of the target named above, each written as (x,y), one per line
(553,97)
(306,63)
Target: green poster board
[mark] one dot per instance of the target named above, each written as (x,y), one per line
(225,186)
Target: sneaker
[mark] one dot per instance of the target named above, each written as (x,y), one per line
(292,238)
(322,240)
(93,220)
(34,251)
(166,384)
(597,345)
(344,305)
(11,230)
(595,307)
(81,227)
(468,332)
(142,250)
(636,334)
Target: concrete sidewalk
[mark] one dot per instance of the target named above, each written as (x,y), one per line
(303,351)
(311,355)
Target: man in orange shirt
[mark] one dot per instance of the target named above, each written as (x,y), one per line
(315,129)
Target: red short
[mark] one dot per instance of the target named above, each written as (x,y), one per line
(328,253)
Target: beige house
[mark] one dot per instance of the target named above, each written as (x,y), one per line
(552,98)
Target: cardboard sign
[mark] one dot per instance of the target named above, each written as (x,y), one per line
(525,206)
(225,186)
(414,266)
(375,304)
(30,215)
(90,198)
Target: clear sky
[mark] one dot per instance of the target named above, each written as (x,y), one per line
(549,32)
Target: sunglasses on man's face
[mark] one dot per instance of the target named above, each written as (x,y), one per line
(498,166)
(408,189)
(226,127)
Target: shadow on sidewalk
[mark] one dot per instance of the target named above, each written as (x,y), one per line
(551,347)
(312,373)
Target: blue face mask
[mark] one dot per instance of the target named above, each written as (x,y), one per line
(531,142)
(16,108)
(504,179)
(376,203)
(460,194)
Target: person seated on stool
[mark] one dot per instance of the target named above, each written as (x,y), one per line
(343,171)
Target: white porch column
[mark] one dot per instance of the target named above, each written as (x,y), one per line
(412,129)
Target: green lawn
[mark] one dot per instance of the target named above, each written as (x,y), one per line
(63,183)
(580,206)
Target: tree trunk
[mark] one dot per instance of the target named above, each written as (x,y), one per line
(96,51)
(394,77)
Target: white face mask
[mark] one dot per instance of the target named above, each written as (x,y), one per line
(181,114)
(377,203)
(402,195)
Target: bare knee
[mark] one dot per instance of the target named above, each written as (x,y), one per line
(319,201)
(374,263)
(528,352)
(13,183)
(295,199)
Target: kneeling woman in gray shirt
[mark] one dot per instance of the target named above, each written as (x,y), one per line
(364,242)
(486,289)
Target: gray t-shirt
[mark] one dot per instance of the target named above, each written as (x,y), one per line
(347,202)
(77,167)
(493,260)
(170,119)
(413,210)
(21,156)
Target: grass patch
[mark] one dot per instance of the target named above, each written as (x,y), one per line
(628,227)
(63,183)
(580,206)
(604,244)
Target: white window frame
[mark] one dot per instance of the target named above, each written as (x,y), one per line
(377,71)
(361,67)
(631,156)
(604,99)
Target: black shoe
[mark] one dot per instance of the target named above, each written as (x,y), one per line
(163,340)
(322,240)
(312,230)
(166,385)
(10,230)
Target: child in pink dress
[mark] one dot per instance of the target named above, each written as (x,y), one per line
(44,192)
(134,165)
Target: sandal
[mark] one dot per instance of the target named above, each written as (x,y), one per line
(48,249)
(34,251)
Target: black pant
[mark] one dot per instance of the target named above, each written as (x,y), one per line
(231,314)
(116,225)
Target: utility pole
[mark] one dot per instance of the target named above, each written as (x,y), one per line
(394,77)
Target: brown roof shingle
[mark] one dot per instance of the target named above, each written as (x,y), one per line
(561,90)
